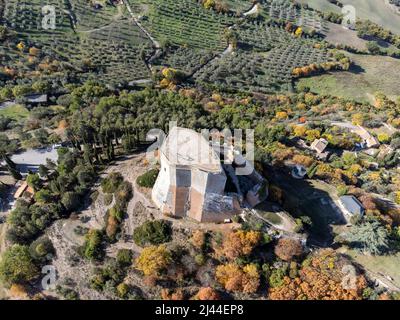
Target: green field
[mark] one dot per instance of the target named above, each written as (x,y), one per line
(102,44)
(184,23)
(369,75)
(272,217)
(285,10)
(264,61)
(375,10)
(386,265)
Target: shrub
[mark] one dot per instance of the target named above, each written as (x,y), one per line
(108,199)
(148,179)
(237,279)
(114,217)
(124,257)
(71,201)
(207,294)
(17,265)
(342,190)
(117,213)
(240,243)
(108,277)
(287,249)
(92,248)
(276,278)
(200,259)
(122,290)
(112,227)
(384,138)
(67,293)
(152,232)
(198,239)
(43,196)
(41,249)
(123,194)
(112,182)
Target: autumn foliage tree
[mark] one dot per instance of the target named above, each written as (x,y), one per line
(240,243)
(153,260)
(207,294)
(238,279)
(176,295)
(303,160)
(198,239)
(324,276)
(286,249)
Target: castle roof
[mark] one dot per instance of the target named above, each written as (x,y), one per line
(188,148)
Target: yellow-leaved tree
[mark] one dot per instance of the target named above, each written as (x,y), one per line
(153,260)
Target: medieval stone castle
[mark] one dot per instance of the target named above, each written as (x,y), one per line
(193,182)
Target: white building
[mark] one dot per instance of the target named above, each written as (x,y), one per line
(351,207)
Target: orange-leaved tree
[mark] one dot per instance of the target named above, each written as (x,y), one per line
(240,243)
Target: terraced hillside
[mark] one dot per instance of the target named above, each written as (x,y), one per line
(288,11)
(267,63)
(114,43)
(98,43)
(184,23)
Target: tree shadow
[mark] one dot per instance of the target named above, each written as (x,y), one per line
(302,198)
(380,42)
(356,69)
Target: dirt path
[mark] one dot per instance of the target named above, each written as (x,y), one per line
(253,10)
(70,266)
(114,19)
(156,44)
(229,49)
(3,231)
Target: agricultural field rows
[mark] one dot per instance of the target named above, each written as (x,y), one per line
(239,6)
(268,67)
(88,18)
(286,10)
(96,43)
(185,23)
(185,59)
(104,43)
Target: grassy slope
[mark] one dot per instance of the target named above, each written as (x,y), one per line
(374,10)
(184,23)
(241,5)
(339,35)
(371,74)
(321,5)
(387,265)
